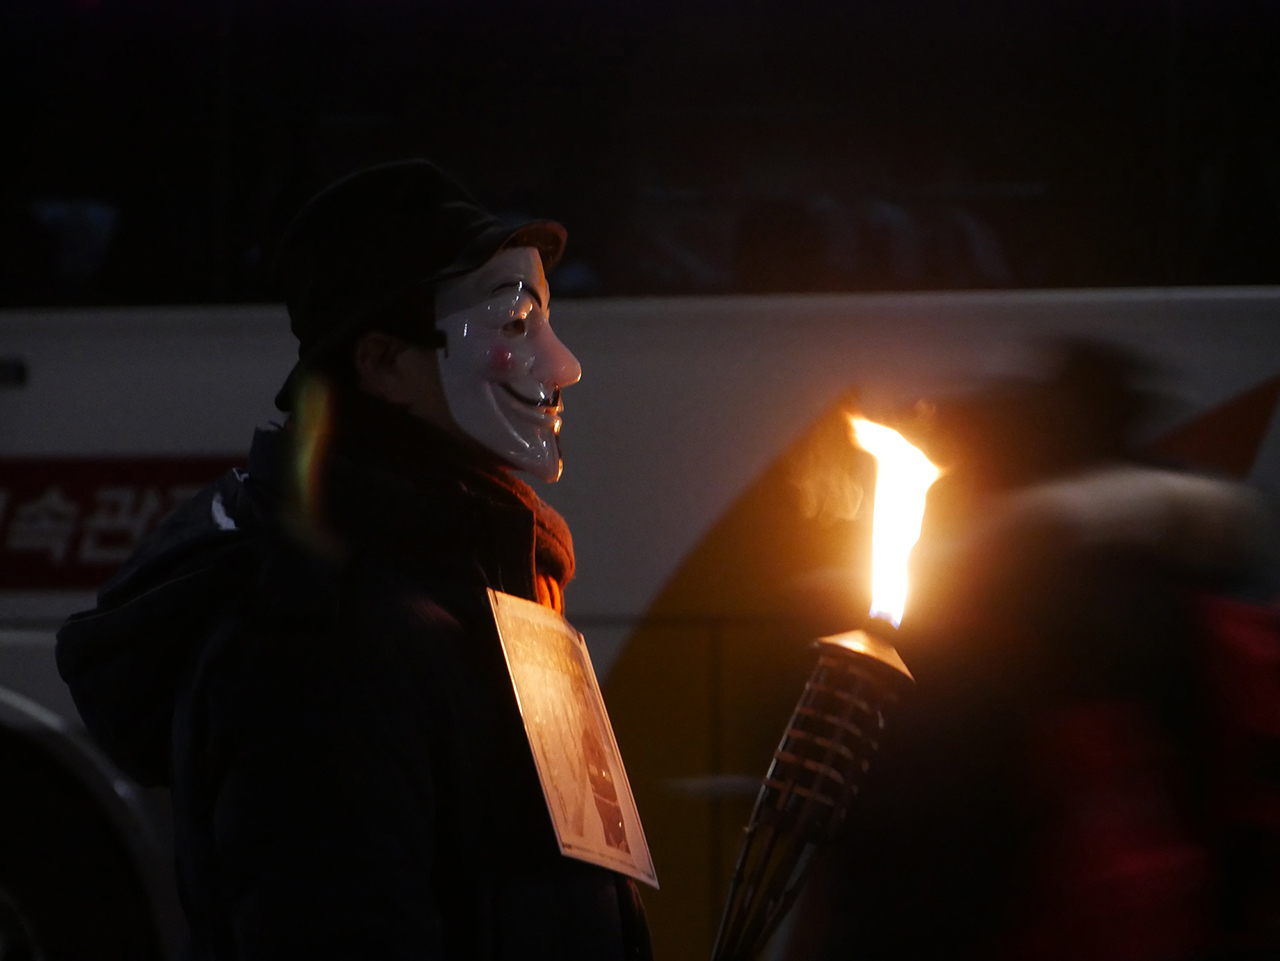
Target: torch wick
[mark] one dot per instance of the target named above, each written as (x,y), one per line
(881,629)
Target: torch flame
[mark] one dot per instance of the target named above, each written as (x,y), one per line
(903,476)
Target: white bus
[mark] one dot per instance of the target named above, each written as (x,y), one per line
(109,416)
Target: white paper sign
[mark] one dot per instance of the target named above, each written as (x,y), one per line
(583,780)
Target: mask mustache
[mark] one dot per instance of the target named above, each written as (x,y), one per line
(552,402)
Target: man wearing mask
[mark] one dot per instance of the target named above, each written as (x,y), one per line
(306,652)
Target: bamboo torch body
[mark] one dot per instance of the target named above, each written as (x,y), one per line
(815,774)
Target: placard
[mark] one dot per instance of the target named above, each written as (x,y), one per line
(578,762)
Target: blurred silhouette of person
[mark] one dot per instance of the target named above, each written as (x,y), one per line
(1056,786)
(306,651)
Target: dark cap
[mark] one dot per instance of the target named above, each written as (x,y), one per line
(380,237)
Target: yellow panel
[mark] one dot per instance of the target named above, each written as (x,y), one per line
(704,687)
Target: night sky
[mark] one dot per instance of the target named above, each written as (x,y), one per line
(155,151)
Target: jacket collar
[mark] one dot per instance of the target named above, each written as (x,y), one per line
(373,478)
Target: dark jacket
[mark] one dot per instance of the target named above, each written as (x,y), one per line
(305,653)
(1045,790)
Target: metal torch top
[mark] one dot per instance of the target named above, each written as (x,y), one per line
(869,645)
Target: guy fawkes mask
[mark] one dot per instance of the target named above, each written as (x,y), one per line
(503,368)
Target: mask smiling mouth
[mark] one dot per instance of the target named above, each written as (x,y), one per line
(552,404)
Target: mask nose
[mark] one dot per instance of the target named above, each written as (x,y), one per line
(555,366)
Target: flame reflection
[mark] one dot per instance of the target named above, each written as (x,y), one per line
(903,476)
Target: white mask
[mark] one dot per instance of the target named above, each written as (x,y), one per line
(503,367)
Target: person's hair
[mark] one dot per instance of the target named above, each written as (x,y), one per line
(1087,411)
(410,316)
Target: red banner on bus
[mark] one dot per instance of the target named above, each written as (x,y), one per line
(69,523)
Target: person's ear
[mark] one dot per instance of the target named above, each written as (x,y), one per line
(379,371)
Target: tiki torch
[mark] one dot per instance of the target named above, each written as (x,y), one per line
(839,720)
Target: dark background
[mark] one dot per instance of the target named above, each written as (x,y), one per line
(153,151)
